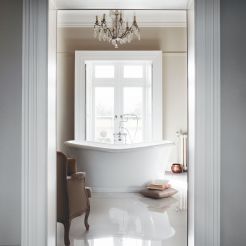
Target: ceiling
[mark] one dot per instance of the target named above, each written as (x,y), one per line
(119,4)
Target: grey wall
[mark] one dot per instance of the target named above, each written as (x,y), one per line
(233,122)
(10,121)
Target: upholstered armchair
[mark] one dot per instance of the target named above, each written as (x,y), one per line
(72,195)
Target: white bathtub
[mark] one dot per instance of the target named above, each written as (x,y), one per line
(120,168)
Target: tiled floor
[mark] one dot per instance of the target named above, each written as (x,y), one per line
(128,219)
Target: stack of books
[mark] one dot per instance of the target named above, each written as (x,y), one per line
(155,186)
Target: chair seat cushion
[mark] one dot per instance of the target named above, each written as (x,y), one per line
(157,194)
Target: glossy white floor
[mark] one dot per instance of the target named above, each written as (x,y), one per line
(128,219)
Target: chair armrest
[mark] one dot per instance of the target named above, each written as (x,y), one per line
(78,175)
(88,191)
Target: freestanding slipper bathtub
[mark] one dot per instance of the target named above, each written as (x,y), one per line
(120,168)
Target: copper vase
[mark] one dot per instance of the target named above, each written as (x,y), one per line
(177,168)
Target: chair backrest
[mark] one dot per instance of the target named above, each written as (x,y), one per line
(62,195)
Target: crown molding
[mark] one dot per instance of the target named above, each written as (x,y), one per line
(155,18)
(118,4)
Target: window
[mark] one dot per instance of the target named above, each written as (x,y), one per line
(104,114)
(116,99)
(133,104)
(133,71)
(104,71)
(118,96)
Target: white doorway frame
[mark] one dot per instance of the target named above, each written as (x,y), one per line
(39,131)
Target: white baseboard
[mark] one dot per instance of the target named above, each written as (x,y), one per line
(113,189)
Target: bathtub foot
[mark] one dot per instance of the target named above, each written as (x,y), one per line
(86,218)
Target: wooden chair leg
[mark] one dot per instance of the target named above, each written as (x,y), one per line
(66,233)
(86,218)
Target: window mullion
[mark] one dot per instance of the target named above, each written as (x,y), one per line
(121,86)
(93,111)
(117,103)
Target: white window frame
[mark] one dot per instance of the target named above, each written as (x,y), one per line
(81,57)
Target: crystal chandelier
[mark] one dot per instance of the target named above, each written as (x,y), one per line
(116,30)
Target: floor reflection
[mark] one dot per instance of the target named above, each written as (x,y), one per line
(128,219)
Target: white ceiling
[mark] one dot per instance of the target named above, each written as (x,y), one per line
(122,4)
(145,18)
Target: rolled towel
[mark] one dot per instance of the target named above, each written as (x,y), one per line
(158,186)
(157,194)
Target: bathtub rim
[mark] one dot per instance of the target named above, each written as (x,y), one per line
(115,147)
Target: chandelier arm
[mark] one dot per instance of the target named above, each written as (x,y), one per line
(135,26)
(116,26)
(108,29)
(119,28)
(101,28)
(124,34)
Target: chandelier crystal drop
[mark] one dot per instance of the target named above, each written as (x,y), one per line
(116,30)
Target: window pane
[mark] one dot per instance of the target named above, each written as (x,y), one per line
(104,101)
(104,71)
(133,113)
(104,129)
(133,71)
(133,100)
(134,129)
(104,114)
